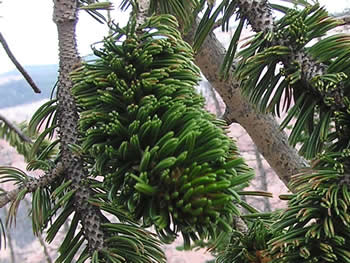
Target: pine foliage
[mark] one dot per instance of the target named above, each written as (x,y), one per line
(162,156)
(283,68)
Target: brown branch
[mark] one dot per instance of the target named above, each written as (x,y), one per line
(142,12)
(18,65)
(13,127)
(32,184)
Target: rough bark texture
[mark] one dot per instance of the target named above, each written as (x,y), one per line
(259,10)
(263,129)
(32,184)
(7,197)
(259,16)
(65,17)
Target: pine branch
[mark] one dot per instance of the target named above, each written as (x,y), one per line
(258,13)
(262,128)
(18,65)
(13,127)
(7,197)
(259,16)
(32,184)
(65,17)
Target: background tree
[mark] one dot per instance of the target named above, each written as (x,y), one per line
(108,173)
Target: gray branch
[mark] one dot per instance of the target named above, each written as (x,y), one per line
(18,65)
(32,184)
(13,127)
(264,130)
(259,16)
(7,197)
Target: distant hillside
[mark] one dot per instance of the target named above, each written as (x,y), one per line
(14,90)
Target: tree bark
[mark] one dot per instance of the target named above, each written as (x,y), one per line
(65,17)
(271,142)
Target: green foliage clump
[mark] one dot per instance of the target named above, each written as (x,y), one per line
(317,222)
(250,246)
(284,70)
(144,130)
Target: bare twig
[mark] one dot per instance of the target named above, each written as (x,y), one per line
(13,127)
(263,129)
(18,65)
(10,242)
(46,252)
(263,179)
(213,96)
(40,237)
(32,184)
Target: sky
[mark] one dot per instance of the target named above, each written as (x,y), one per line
(31,34)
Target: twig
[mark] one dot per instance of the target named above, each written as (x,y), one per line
(40,237)
(13,127)
(263,181)
(212,93)
(32,184)
(10,242)
(18,65)
(46,252)
(263,129)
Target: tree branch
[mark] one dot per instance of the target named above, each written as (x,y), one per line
(259,16)
(7,197)
(271,142)
(32,184)
(141,13)
(13,127)
(65,17)
(18,65)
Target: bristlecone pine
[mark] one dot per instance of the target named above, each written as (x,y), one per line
(144,130)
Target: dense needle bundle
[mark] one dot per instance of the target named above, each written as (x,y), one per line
(162,156)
